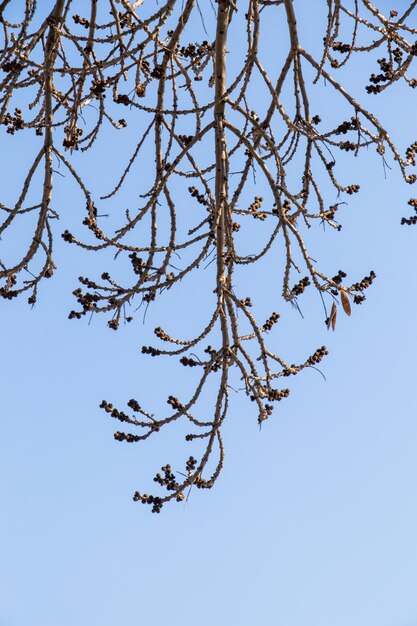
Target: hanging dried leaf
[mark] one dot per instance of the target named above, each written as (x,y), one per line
(344,298)
(332,317)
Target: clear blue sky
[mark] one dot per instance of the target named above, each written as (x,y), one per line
(314,519)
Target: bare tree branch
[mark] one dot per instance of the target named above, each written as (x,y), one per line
(212,132)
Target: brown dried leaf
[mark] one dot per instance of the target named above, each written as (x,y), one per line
(344,298)
(332,317)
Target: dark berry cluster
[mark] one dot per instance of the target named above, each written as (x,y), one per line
(339,277)
(119,415)
(191,464)
(128,437)
(299,287)
(175,403)
(292,370)
(68,237)
(318,356)
(168,479)
(109,408)
(98,87)
(413,218)
(276,395)
(87,301)
(83,21)
(134,405)
(193,191)
(161,334)
(121,98)
(140,90)
(410,221)
(384,76)
(397,53)
(200,483)
(196,51)
(216,364)
(273,319)
(14,122)
(255,206)
(137,263)
(73,134)
(187,362)
(150,350)
(345,127)
(125,19)
(330,213)
(265,412)
(8,294)
(410,153)
(348,146)
(12,67)
(365,282)
(90,222)
(352,189)
(90,284)
(186,139)
(338,46)
(154,501)
(358,299)
(157,72)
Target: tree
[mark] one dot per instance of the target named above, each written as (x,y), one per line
(67,75)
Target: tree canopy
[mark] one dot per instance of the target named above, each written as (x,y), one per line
(232,140)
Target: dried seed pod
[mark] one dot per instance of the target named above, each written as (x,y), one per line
(331,321)
(344,298)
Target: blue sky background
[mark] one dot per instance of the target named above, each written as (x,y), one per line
(313,520)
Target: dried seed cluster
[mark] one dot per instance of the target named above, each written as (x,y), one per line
(300,287)
(271,321)
(318,356)
(254,209)
(413,218)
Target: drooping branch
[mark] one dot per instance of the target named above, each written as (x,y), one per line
(216,136)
